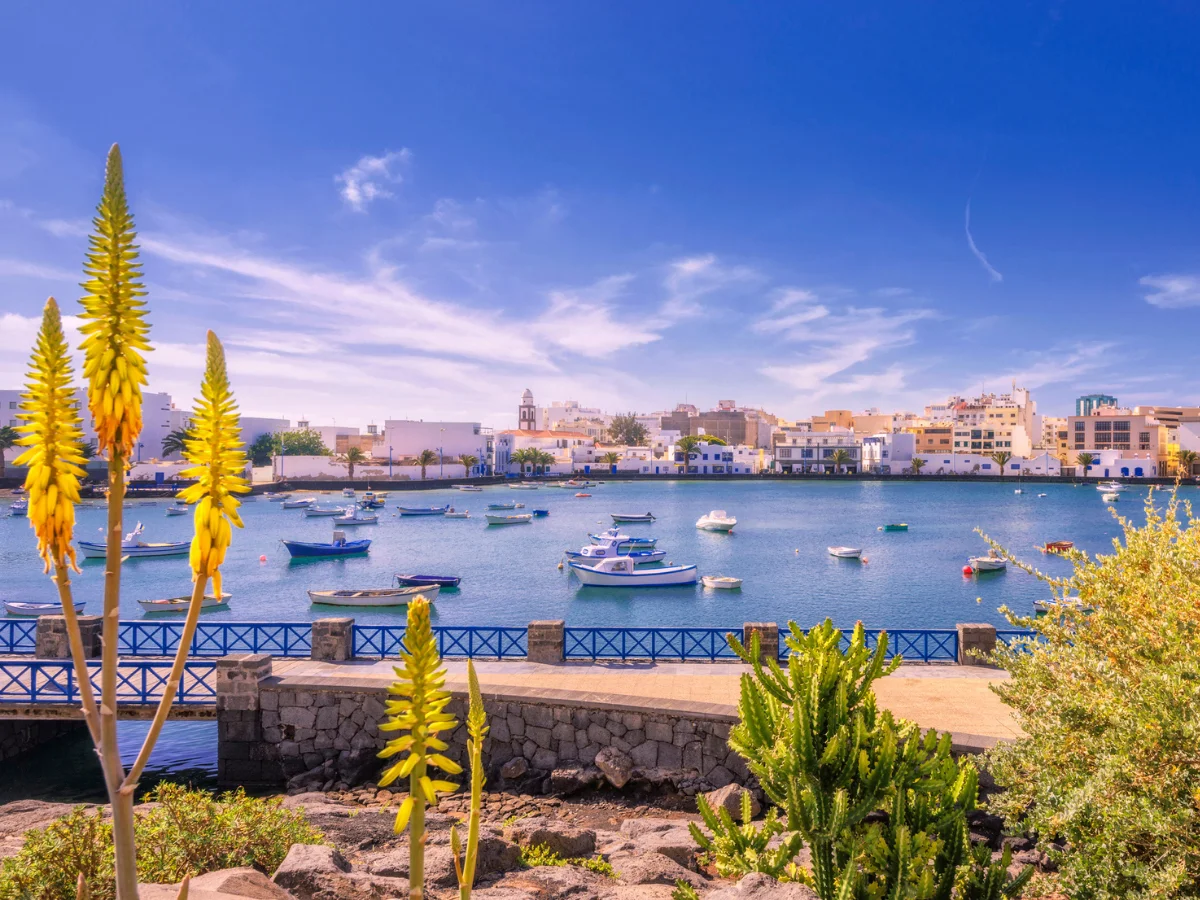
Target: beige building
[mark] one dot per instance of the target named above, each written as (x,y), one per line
(930,439)
(1110,428)
(834,418)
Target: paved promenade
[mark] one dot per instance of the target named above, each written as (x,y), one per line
(949,698)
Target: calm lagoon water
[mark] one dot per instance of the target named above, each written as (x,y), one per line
(913,579)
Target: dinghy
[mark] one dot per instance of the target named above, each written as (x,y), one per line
(619,518)
(177,510)
(133,548)
(314,512)
(621,571)
(845,552)
(511,519)
(181,604)
(442,581)
(423,510)
(717,520)
(19,608)
(398,596)
(721,582)
(339,546)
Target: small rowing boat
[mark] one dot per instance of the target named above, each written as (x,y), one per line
(895,526)
(397,596)
(511,519)
(619,518)
(442,581)
(339,546)
(177,510)
(721,582)
(135,549)
(181,604)
(845,552)
(19,608)
(422,510)
(541,513)
(1058,546)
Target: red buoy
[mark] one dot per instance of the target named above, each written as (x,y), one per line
(263,558)
(967,570)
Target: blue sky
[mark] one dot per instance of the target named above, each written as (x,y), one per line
(419,210)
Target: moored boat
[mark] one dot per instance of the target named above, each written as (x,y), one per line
(619,518)
(177,510)
(181,604)
(277,497)
(510,519)
(1110,497)
(353,516)
(541,513)
(339,546)
(19,508)
(133,548)
(397,596)
(372,500)
(1111,487)
(610,550)
(442,581)
(453,513)
(621,571)
(624,541)
(20,608)
(721,582)
(302,503)
(894,526)
(507,504)
(423,510)
(1058,546)
(524,486)
(716,520)
(314,512)
(472,488)
(987,563)
(845,552)
(347,492)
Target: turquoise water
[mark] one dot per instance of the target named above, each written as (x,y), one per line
(510,573)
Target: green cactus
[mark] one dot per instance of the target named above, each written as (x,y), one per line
(477,729)
(987,880)
(738,850)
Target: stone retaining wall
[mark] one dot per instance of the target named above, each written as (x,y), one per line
(337,731)
(20,736)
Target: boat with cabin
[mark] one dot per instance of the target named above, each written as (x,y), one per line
(372,500)
(181,604)
(354,516)
(989,563)
(623,518)
(1110,497)
(397,596)
(716,520)
(19,508)
(624,541)
(453,513)
(472,488)
(134,548)
(621,571)
(610,549)
(1112,487)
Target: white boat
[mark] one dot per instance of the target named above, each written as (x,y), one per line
(721,582)
(510,519)
(507,504)
(453,513)
(19,508)
(987,563)
(618,518)
(717,520)
(318,511)
(277,498)
(472,488)
(18,608)
(624,541)
(524,487)
(620,571)
(133,548)
(299,504)
(354,517)
(610,550)
(1111,487)
(181,604)
(1018,491)
(397,596)
(1110,497)
(347,492)
(177,510)
(845,552)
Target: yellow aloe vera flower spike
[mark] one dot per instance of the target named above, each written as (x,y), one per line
(218,462)
(52,434)
(115,328)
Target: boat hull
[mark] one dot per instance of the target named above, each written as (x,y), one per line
(181,604)
(845,552)
(421,510)
(306,550)
(32,610)
(523,519)
(639,557)
(356,520)
(92,550)
(623,518)
(384,597)
(899,527)
(635,543)
(443,581)
(177,510)
(670,576)
(724,527)
(720,583)
(314,513)
(984,564)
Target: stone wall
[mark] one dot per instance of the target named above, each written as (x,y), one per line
(19,736)
(334,734)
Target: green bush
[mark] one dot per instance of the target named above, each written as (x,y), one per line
(187,832)
(541,855)
(1108,694)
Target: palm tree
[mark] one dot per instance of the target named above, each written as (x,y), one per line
(1185,461)
(611,459)
(1084,460)
(916,465)
(1001,458)
(8,440)
(686,445)
(87,449)
(520,458)
(176,441)
(542,461)
(355,457)
(840,459)
(425,459)
(468,462)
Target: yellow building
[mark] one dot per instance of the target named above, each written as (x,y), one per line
(930,439)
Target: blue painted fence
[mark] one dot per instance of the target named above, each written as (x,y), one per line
(216,638)
(17,635)
(139,681)
(464,642)
(648,643)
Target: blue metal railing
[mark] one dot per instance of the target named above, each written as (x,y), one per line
(453,641)
(142,681)
(18,635)
(216,638)
(648,643)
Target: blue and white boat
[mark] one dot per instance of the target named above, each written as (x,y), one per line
(442,581)
(353,516)
(423,510)
(372,500)
(507,504)
(133,548)
(277,497)
(620,571)
(20,608)
(339,546)
(177,509)
(624,541)
(19,508)
(540,513)
(609,550)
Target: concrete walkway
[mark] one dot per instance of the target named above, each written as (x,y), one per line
(948,698)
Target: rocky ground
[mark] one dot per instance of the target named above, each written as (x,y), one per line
(643,836)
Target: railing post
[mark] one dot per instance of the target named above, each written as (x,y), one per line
(768,637)
(973,638)
(546,641)
(51,641)
(333,639)
(239,721)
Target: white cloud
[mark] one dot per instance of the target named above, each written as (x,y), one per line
(367,179)
(690,278)
(585,320)
(1057,365)
(987,266)
(1172,291)
(19,268)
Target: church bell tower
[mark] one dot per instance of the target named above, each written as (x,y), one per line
(526,415)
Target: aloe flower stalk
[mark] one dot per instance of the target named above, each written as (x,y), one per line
(477,729)
(215,452)
(51,436)
(419,711)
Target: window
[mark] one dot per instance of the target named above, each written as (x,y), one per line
(1143,437)
(1080,426)
(12,404)
(1120,426)
(976,445)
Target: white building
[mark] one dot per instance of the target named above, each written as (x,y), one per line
(982,464)
(799,451)
(564,446)
(405,438)
(716,459)
(888,453)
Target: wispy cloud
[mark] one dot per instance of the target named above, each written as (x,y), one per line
(1060,364)
(690,278)
(19,268)
(586,321)
(1172,291)
(983,261)
(367,179)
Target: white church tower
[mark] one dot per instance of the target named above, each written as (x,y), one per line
(527,414)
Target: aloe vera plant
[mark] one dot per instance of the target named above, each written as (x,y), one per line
(477,729)
(419,711)
(746,848)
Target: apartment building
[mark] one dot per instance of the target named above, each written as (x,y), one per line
(814,451)
(1128,435)
(931,439)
